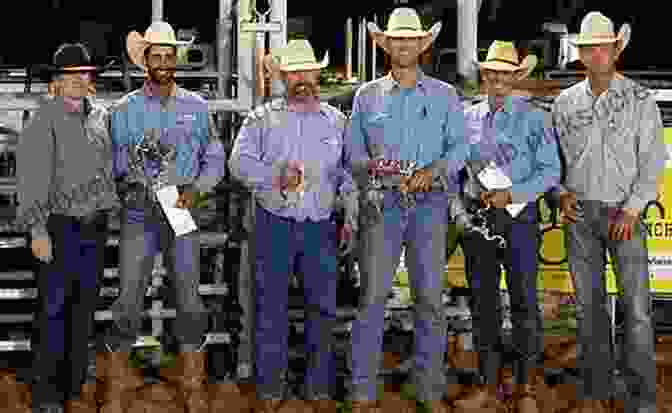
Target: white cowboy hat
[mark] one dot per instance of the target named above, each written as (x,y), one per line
(404,22)
(298,55)
(596,28)
(503,56)
(159,33)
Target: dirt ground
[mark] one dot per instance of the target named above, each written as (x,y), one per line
(231,398)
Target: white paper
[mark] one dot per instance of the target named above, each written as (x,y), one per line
(179,219)
(492,178)
(514,209)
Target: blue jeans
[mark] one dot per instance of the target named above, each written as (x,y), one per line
(423,230)
(278,241)
(68,287)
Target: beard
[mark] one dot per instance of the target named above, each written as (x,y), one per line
(305,90)
(162,76)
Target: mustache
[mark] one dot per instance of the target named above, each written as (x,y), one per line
(311,87)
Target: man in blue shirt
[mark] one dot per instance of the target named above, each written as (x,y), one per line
(509,136)
(173,124)
(404,117)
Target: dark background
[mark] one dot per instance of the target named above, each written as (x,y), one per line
(32,29)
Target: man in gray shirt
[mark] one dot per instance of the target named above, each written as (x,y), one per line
(611,135)
(65,185)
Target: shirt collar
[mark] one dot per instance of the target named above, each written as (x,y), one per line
(614,84)
(151,89)
(312,106)
(507,107)
(389,83)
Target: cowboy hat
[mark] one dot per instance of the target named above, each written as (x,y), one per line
(503,56)
(404,22)
(596,28)
(159,33)
(298,55)
(68,58)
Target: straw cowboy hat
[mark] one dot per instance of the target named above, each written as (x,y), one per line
(404,22)
(503,56)
(596,28)
(298,55)
(159,33)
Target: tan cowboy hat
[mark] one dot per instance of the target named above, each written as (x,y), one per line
(404,22)
(298,55)
(596,28)
(160,33)
(503,56)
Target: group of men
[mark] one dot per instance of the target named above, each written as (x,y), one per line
(409,161)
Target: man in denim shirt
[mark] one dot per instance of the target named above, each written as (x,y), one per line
(175,121)
(289,152)
(404,116)
(520,141)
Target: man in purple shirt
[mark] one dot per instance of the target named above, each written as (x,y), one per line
(289,154)
(406,135)
(161,135)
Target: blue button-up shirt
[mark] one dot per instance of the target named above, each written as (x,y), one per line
(521,141)
(277,133)
(423,124)
(182,120)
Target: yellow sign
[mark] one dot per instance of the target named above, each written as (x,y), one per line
(553,272)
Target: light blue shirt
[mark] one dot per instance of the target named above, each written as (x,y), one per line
(521,141)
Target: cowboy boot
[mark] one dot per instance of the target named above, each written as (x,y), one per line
(119,382)
(267,406)
(365,406)
(590,406)
(324,406)
(193,383)
(479,397)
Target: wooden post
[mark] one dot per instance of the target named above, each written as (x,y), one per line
(348,49)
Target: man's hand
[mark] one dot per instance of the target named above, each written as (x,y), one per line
(622,224)
(186,199)
(569,206)
(271,66)
(421,181)
(345,239)
(41,248)
(496,199)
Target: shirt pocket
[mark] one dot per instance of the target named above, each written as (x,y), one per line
(376,125)
(330,150)
(575,132)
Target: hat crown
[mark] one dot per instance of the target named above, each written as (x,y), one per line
(596,24)
(503,51)
(160,32)
(72,55)
(298,52)
(404,18)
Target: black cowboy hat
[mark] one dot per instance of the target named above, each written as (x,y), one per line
(69,58)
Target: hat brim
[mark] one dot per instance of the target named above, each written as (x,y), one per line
(136,46)
(623,36)
(525,68)
(46,72)
(306,66)
(428,36)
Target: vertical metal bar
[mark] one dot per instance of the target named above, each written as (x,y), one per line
(278,40)
(224,67)
(348,48)
(245,43)
(467,40)
(373,52)
(157,305)
(157,10)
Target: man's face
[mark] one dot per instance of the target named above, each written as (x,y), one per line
(161,63)
(303,84)
(599,58)
(74,85)
(404,51)
(498,84)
